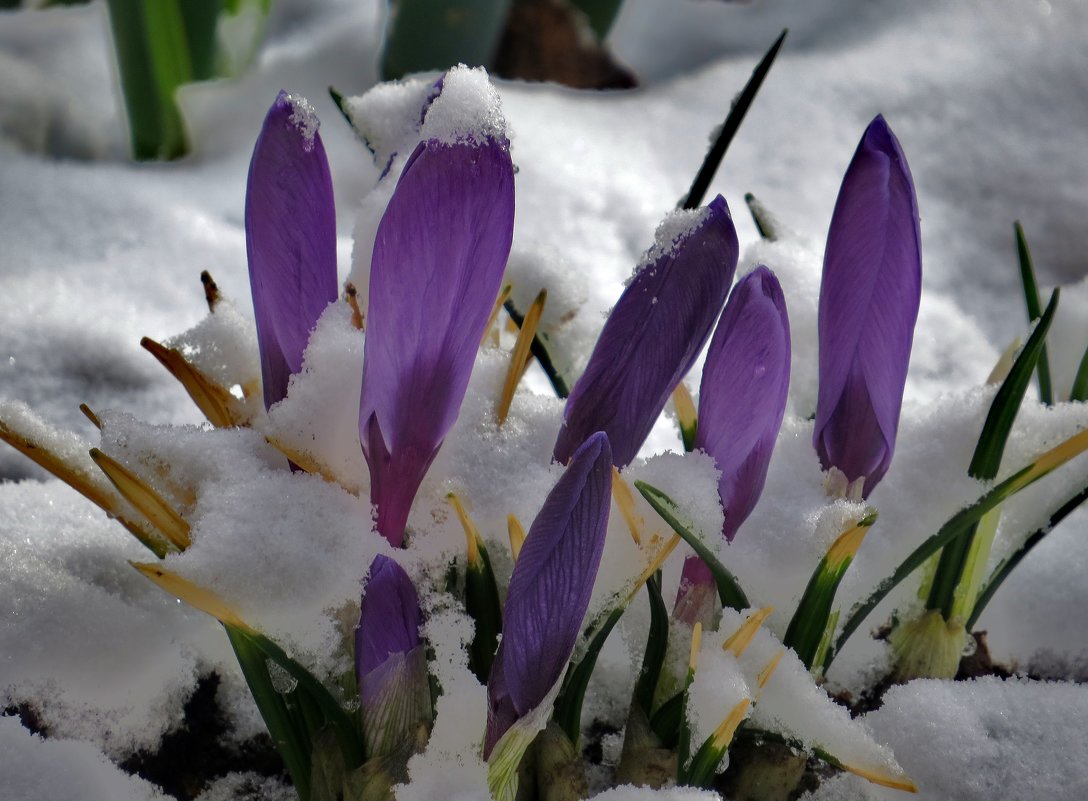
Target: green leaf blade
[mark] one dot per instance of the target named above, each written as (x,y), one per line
(729,591)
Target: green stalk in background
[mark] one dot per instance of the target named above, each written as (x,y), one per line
(425,35)
(164,44)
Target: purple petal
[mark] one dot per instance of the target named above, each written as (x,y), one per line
(393,698)
(389,617)
(290,239)
(868,306)
(439,256)
(742,396)
(654,334)
(550,588)
(696,597)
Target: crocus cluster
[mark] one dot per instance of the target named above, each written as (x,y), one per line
(437,265)
(435,273)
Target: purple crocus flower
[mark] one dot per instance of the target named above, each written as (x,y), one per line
(290,238)
(654,334)
(550,589)
(742,398)
(439,256)
(869,298)
(390,660)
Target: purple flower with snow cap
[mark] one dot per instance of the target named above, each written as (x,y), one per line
(868,306)
(654,334)
(290,239)
(550,589)
(390,660)
(438,261)
(742,398)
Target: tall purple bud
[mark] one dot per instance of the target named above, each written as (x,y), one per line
(742,399)
(869,299)
(390,660)
(654,334)
(290,238)
(439,256)
(742,396)
(550,589)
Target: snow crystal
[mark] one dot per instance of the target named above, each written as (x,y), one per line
(670,234)
(980,740)
(468,109)
(45,770)
(304,118)
(389,116)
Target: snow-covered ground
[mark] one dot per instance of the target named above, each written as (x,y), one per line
(990,103)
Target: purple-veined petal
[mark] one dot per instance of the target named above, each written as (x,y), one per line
(742,396)
(439,256)
(696,597)
(654,334)
(290,238)
(389,616)
(868,306)
(550,588)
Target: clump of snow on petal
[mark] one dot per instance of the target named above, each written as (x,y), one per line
(670,234)
(468,109)
(304,118)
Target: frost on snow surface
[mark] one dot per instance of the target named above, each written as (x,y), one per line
(99,252)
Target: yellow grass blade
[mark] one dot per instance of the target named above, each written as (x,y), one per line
(146,500)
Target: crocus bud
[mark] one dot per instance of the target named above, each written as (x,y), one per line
(290,238)
(868,306)
(742,399)
(654,333)
(742,396)
(439,256)
(550,590)
(390,660)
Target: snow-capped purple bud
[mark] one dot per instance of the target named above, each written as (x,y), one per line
(742,396)
(654,334)
(869,298)
(290,238)
(390,660)
(439,256)
(550,589)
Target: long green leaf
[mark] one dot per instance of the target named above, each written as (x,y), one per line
(1003,570)
(657,643)
(292,743)
(952,567)
(959,525)
(1031,299)
(729,128)
(482,605)
(568,704)
(729,591)
(1079,392)
(153,61)
(810,621)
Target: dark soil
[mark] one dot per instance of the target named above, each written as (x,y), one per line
(195,753)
